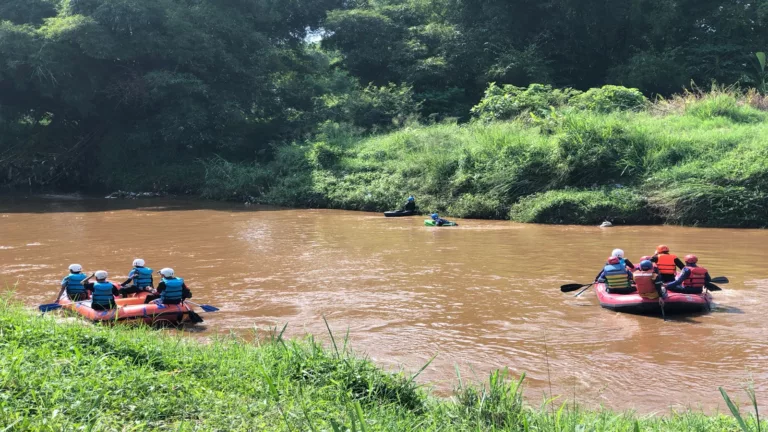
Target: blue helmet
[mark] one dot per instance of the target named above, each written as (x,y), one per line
(435,216)
(411,198)
(646,265)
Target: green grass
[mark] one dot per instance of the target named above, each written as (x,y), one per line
(72,376)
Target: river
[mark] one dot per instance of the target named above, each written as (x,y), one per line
(480,296)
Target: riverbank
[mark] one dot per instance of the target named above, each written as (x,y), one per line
(63,375)
(697,159)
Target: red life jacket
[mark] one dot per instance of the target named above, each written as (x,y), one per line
(666,263)
(697,277)
(645,284)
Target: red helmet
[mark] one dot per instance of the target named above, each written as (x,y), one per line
(662,249)
(645,258)
(613,260)
(691,259)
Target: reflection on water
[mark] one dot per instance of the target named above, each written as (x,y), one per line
(481,296)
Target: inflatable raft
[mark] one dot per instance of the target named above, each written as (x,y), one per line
(131,309)
(399,213)
(633,303)
(430,222)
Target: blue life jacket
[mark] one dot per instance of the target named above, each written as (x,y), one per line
(142,277)
(173,289)
(616,276)
(102,293)
(73,283)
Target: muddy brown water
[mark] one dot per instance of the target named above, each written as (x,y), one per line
(480,296)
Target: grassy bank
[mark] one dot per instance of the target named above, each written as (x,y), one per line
(68,376)
(697,159)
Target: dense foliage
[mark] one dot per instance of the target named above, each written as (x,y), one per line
(204,96)
(70,376)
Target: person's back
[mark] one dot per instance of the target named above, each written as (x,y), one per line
(667,263)
(646,281)
(692,279)
(617,278)
(171,289)
(139,278)
(102,292)
(73,284)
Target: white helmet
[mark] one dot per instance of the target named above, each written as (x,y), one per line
(75,268)
(138,262)
(618,253)
(166,272)
(101,275)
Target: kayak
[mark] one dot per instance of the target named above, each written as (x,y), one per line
(131,309)
(430,222)
(399,213)
(633,303)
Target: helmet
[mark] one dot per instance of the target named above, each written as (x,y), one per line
(646,258)
(411,198)
(101,275)
(618,253)
(166,272)
(138,262)
(691,259)
(662,249)
(646,265)
(75,268)
(435,216)
(613,260)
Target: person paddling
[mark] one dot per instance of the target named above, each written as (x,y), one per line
(647,281)
(438,220)
(667,263)
(102,292)
(140,278)
(410,204)
(73,284)
(619,253)
(616,277)
(171,290)
(692,278)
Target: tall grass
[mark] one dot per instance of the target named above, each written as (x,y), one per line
(69,376)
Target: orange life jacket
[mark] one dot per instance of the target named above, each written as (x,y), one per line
(645,284)
(696,279)
(666,263)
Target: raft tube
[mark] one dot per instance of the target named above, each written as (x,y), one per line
(131,309)
(675,303)
(399,213)
(430,222)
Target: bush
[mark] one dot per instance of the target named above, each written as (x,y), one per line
(611,98)
(478,207)
(509,101)
(726,105)
(584,207)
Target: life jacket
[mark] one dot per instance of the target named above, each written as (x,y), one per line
(666,263)
(143,277)
(173,289)
(644,281)
(696,279)
(616,276)
(73,283)
(102,293)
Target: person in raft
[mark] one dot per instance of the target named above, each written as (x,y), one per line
(171,290)
(410,204)
(647,281)
(438,220)
(102,292)
(616,276)
(667,263)
(73,284)
(692,278)
(140,278)
(619,253)
(653,264)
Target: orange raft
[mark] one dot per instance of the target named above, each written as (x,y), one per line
(131,309)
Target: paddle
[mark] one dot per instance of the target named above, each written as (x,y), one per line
(582,291)
(713,287)
(205,307)
(49,307)
(720,279)
(574,287)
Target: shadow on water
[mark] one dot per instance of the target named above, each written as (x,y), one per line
(86,204)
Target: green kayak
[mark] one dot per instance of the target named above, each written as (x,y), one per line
(430,222)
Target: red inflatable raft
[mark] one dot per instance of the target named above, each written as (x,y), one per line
(131,309)
(633,303)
